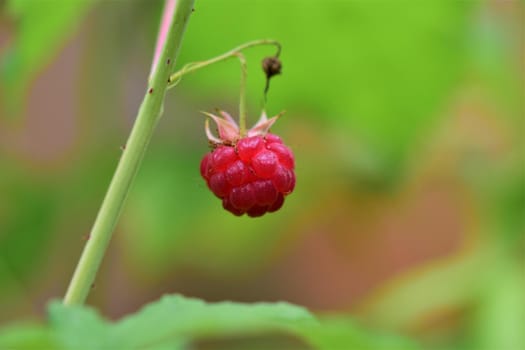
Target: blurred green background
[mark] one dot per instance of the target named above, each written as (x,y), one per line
(407,120)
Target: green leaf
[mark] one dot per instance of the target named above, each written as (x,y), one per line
(78,327)
(176,316)
(174,321)
(41,28)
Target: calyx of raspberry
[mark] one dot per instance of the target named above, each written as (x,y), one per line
(229,131)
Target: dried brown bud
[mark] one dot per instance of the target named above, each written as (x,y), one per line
(271,66)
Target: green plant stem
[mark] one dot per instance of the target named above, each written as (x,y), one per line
(191,67)
(242,95)
(149,112)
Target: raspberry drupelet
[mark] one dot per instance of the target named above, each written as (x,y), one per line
(251,173)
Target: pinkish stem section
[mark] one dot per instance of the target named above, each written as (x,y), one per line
(167,16)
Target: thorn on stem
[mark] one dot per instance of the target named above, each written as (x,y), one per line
(123,147)
(150,91)
(168,61)
(86,237)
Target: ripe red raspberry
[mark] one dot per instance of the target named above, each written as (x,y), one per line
(250,174)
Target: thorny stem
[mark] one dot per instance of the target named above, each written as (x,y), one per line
(193,66)
(242,97)
(148,115)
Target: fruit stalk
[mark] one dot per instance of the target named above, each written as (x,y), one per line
(148,115)
(242,94)
(193,66)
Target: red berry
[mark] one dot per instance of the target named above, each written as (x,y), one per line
(237,173)
(228,206)
(264,164)
(257,211)
(248,147)
(277,204)
(242,197)
(265,192)
(218,185)
(283,153)
(271,138)
(283,180)
(251,176)
(222,157)
(205,166)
